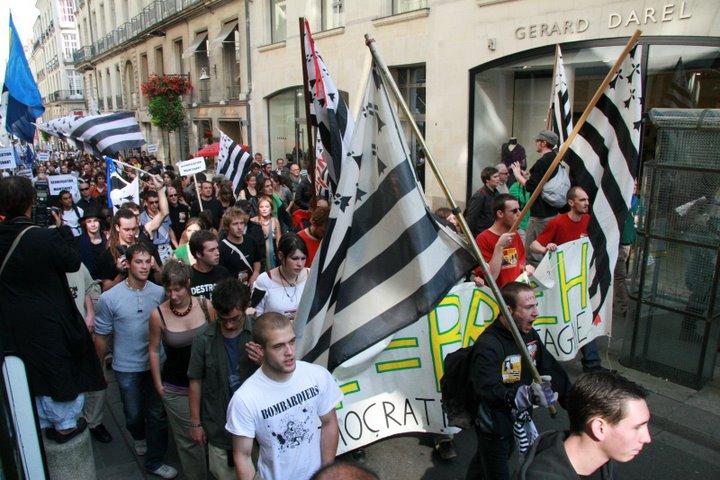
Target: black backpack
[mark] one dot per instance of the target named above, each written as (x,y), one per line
(457,393)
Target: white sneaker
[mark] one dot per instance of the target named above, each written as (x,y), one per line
(164,471)
(140,447)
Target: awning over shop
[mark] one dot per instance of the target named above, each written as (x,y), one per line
(194,45)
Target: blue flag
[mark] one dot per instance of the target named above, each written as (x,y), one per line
(29,156)
(21,99)
(109,170)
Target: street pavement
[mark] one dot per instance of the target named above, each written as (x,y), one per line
(685,432)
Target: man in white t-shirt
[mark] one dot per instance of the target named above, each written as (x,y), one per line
(287,405)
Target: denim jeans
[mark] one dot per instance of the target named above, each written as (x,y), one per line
(145,416)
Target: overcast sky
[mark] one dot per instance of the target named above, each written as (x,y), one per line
(24,16)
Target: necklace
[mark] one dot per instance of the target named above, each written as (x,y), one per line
(181,314)
(293,285)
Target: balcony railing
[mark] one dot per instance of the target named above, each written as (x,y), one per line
(118,102)
(202,93)
(151,15)
(84,54)
(59,95)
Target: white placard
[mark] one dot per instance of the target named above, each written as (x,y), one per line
(192,166)
(7,159)
(58,183)
(43,156)
(24,172)
(151,148)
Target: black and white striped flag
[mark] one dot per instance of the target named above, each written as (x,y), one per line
(560,114)
(105,134)
(678,93)
(384,261)
(329,114)
(234,162)
(603,160)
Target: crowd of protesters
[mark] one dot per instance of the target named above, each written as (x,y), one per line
(189,295)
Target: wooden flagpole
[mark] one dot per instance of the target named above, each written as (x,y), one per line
(308,99)
(566,144)
(548,119)
(197,189)
(527,358)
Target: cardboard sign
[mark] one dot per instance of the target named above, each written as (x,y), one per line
(58,183)
(192,166)
(43,156)
(7,159)
(152,148)
(24,172)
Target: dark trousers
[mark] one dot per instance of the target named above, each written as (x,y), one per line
(491,459)
(145,416)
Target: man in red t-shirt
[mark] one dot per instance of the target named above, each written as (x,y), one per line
(565,227)
(503,251)
(313,234)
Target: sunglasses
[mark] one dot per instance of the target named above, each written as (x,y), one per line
(514,210)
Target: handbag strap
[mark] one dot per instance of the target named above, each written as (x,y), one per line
(14,246)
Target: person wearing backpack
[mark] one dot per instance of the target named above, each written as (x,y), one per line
(552,199)
(504,387)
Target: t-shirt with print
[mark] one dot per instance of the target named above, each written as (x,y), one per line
(513,257)
(284,418)
(203,284)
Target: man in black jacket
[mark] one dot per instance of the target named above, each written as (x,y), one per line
(608,422)
(504,386)
(479,212)
(541,212)
(39,321)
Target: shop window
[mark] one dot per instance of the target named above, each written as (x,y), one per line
(411,82)
(286,127)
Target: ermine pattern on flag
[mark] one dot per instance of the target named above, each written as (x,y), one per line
(329,114)
(603,160)
(384,260)
(233,162)
(560,114)
(105,134)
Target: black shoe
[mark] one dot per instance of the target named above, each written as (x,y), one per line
(445,449)
(101,434)
(58,437)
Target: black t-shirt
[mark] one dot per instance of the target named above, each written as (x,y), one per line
(230,259)
(213,205)
(178,219)
(105,266)
(202,284)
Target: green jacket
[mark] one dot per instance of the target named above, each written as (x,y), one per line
(208,362)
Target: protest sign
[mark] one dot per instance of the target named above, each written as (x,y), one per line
(24,172)
(192,166)
(7,159)
(42,156)
(396,389)
(152,148)
(58,183)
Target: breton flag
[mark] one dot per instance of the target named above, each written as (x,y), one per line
(128,193)
(21,102)
(329,114)
(384,261)
(560,115)
(105,134)
(234,162)
(603,160)
(678,93)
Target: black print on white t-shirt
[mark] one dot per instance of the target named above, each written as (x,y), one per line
(294,430)
(290,402)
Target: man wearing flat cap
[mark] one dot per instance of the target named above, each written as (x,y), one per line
(541,212)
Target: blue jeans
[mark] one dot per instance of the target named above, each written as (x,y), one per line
(590,355)
(145,416)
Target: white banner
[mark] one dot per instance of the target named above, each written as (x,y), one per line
(397,389)
(58,183)
(151,148)
(192,166)
(7,159)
